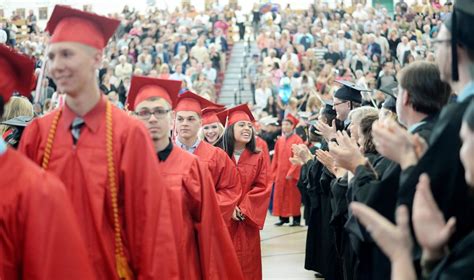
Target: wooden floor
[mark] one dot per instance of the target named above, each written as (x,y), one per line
(283,251)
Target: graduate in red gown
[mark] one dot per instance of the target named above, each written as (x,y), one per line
(212,130)
(223,171)
(249,215)
(205,249)
(107,163)
(286,196)
(39,232)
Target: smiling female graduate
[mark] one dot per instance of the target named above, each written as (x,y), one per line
(92,147)
(250,213)
(39,232)
(205,249)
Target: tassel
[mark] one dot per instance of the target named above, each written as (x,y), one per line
(123,270)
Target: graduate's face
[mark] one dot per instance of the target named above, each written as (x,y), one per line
(443,53)
(286,127)
(187,124)
(73,66)
(342,108)
(466,152)
(243,132)
(212,132)
(159,123)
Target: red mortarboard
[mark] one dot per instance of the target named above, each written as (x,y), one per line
(189,101)
(236,114)
(71,25)
(16,73)
(289,117)
(142,88)
(209,114)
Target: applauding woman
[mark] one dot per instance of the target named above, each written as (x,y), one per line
(249,215)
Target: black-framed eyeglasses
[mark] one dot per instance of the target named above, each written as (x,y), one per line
(146,114)
(342,102)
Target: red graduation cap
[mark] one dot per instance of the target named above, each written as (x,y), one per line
(209,114)
(16,73)
(142,88)
(236,114)
(71,25)
(289,117)
(189,101)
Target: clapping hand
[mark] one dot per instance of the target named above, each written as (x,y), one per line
(395,143)
(345,152)
(326,131)
(431,229)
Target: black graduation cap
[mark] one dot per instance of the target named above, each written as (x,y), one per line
(349,92)
(390,91)
(328,109)
(459,24)
(21,121)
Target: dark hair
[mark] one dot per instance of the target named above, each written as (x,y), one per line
(366,129)
(468,117)
(229,141)
(1,106)
(426,92)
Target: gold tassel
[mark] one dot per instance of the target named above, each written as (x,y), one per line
(123,270)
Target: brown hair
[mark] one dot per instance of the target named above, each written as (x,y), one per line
(426,92)
(366,130)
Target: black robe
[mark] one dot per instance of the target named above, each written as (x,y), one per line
(320,244)
(380,193)
(442,163)
(459,263)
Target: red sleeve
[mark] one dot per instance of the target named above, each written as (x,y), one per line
(216,250)
(148,222)
(30,141)
(228,189)
(52,245)
(254,204)
(274,163)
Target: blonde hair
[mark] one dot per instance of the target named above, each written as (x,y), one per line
(359,113)
(16,107)
(221,132)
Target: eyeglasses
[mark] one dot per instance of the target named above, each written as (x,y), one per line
(146,114)
(335,104)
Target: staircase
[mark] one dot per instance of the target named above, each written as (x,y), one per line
(236,88)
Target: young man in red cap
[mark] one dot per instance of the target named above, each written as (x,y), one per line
(91,145)
(205,250)
(39,231)
(251,210)
(223,171)
(286,196)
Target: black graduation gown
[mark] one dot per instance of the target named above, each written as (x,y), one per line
(380,194)
(459,264)
(320,245)
(441,162)
(302,187)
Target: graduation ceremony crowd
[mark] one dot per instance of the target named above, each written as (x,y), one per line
(117,162)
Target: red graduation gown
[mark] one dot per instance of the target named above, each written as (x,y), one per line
(39,233)
(144,209)
(205,249)
(262,145)
(286,196)
(224,175)
(254,202)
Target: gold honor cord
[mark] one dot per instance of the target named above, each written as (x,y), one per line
(122,267)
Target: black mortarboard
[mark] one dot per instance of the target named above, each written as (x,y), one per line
(21,121)
(390,91)
(328,109)
(459,24)
(349,92)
